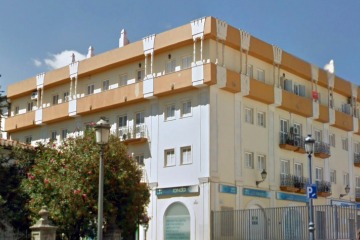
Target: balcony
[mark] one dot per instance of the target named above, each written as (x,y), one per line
(292,183)
(292,142)
(21,121)
(357,159)
(323,188)
(322,150)
(133,135)
(357,194)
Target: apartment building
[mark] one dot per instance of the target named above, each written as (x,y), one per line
(205,108)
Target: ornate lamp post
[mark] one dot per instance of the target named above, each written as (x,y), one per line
(102,130)
(309,148)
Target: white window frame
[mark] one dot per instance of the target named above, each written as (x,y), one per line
(346,179)
(345,144)
(298,169)
(249,160)
(55,99)
(66,96)
(318,135)
(30,106)
(186,62)
(332,139)
(170,66)
(123,78)
(170,112)
(319,174)
(169,157)
(53,135)
(90,89)
(186,155)
(249,115)
(261,119)
(16,110)
(333,176)
(284,167)
(139,158)
(261,161)
(260,74)
(357,147)
(106,85)
(140,75)
(186,109)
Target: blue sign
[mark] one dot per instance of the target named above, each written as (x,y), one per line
(311,191)
(291,197)
(177,190)
(227,189)
(256,193)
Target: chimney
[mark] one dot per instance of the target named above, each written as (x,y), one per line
(123,40)
(90,52)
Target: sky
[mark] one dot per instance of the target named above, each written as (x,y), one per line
(40,35)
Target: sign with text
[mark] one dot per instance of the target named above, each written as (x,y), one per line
(311,191)
(177,190)
(227,189)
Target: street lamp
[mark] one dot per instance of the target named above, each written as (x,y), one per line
(263,176)
(102,131)
(309,148)
(347,190)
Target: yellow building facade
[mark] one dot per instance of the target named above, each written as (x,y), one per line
(205,108)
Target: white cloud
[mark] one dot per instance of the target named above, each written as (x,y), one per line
(37,62)
(63,59)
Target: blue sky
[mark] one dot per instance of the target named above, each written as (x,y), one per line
(34,35)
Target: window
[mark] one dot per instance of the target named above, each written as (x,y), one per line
(123,121)
(90,89)
(333,176)
(297,132)
(318,174)
(139,118)
(261,120)
(318,136)
(260,75)
(345,144)
(123,79)
(186,155)
(332,139)
(249,118)
(357,183)
(170,112)
(53,135)
(55,99)
(170,66)
(30,106)
(285,167)
(346,179)
(64,133)
(186,62)
(356,147)
(169,157)
(261,162)
(16,111)
(298,168)
(66,96)
(140,159)
(284,126)
(249,159)
(28,139)
(140,75)
(106,85)
(249,71)
(186,109)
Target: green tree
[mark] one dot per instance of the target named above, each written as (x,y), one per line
(65,179)
(13,200)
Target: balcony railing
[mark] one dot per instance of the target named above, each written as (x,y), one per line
(292,142)
(323,188)
(357,159)
(322,150)
(292,183)
(135,134)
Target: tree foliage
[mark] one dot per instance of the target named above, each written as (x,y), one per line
(13,200)
(65,179)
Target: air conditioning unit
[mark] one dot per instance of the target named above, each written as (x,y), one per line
(34,96)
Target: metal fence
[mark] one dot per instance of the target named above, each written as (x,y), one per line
(287,223)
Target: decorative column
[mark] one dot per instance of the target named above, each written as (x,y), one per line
(244,77)
(43,229)
(197,73)
(148,46)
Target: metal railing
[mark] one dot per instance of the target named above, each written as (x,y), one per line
(139,131)
(357,192)
(289,180)
(286,223)
(323,186)
(356,157)
(292,139)
(321,147)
